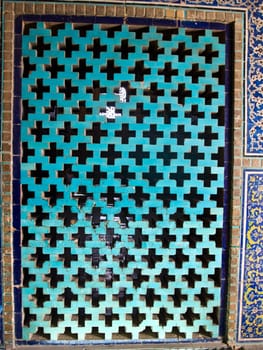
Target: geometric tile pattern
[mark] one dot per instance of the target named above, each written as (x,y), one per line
(251,279)
(122,178)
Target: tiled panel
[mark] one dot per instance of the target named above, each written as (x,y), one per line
(251,274)
(122,174)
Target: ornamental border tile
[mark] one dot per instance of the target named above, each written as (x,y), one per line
(250,291)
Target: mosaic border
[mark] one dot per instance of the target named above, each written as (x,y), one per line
(16,172)
(250,324)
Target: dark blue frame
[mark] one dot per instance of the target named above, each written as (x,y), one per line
(16,164)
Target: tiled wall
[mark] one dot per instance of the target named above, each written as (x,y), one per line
(244,297)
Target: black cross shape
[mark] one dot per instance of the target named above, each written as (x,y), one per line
(153,176)
(208,135)
(53,152)
(208,53)
(151,297)
(179,258)
(81,237)
(139,237)
(206,217)
(82,277)
(140,112)
(153,50)
(208,94)
(204,296)
(68,216)
(96,217)
(217,237)
(53,236)
(111,196)
(68,297)
(139,71)
(152,258)
(27,277)
(96,175)
(81,111)
(195,34)
(54,68)
(40,46)
(207,176)
(195,73)
(97,48)
(54,277)
(192,237)
(165,278)
(39,174)
(111,154)
(68,257)
(216,277)
(167,155)
(153,134)
(83,28)
(41,298)
(194,114)
(152,216)
(166,237)
(167,114)
(40,89)
(153,92)
(139,196)
(82,68)
(168,72)
(139,155)
(125,49)
(166,196)
(193,197)
(178,297)
(82,153)
(96,132)
(69,47)
(124,175)
(182,52)
(181,93)
(191,277)
(68,89)
(125,133)
(180,217)
(67,174)
(123,217)
(194,155)
(82,316)
(163,316)
(138,277)
(96,90)
(110,69)
(39,131)
(67,131)
(180,176)
(190,316)
(205,257)
(55,317)
(181,135)
(40,257)
(167,33)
